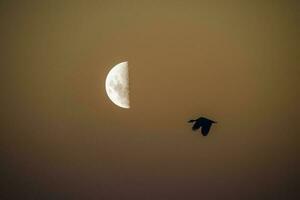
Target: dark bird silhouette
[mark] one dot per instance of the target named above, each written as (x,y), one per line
(202,123)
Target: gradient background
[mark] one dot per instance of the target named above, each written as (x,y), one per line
(235,62)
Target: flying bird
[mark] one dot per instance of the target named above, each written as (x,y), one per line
(202,123)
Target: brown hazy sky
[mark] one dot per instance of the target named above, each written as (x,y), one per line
(235,62)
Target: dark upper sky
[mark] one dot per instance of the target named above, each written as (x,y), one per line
(235,62)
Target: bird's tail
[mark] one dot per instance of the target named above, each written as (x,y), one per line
(190,121)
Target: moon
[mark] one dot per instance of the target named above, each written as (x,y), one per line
(117,85)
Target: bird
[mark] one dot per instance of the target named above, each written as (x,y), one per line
(202,123)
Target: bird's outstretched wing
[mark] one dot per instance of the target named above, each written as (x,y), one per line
(196,126)
(205,129)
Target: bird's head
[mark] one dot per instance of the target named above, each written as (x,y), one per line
(190,121)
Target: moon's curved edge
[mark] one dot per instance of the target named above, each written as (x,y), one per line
(119,100)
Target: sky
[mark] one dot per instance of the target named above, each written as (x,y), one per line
(236,63)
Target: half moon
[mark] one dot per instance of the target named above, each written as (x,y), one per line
(117,85)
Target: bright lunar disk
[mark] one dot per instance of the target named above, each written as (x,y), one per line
(117,85)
